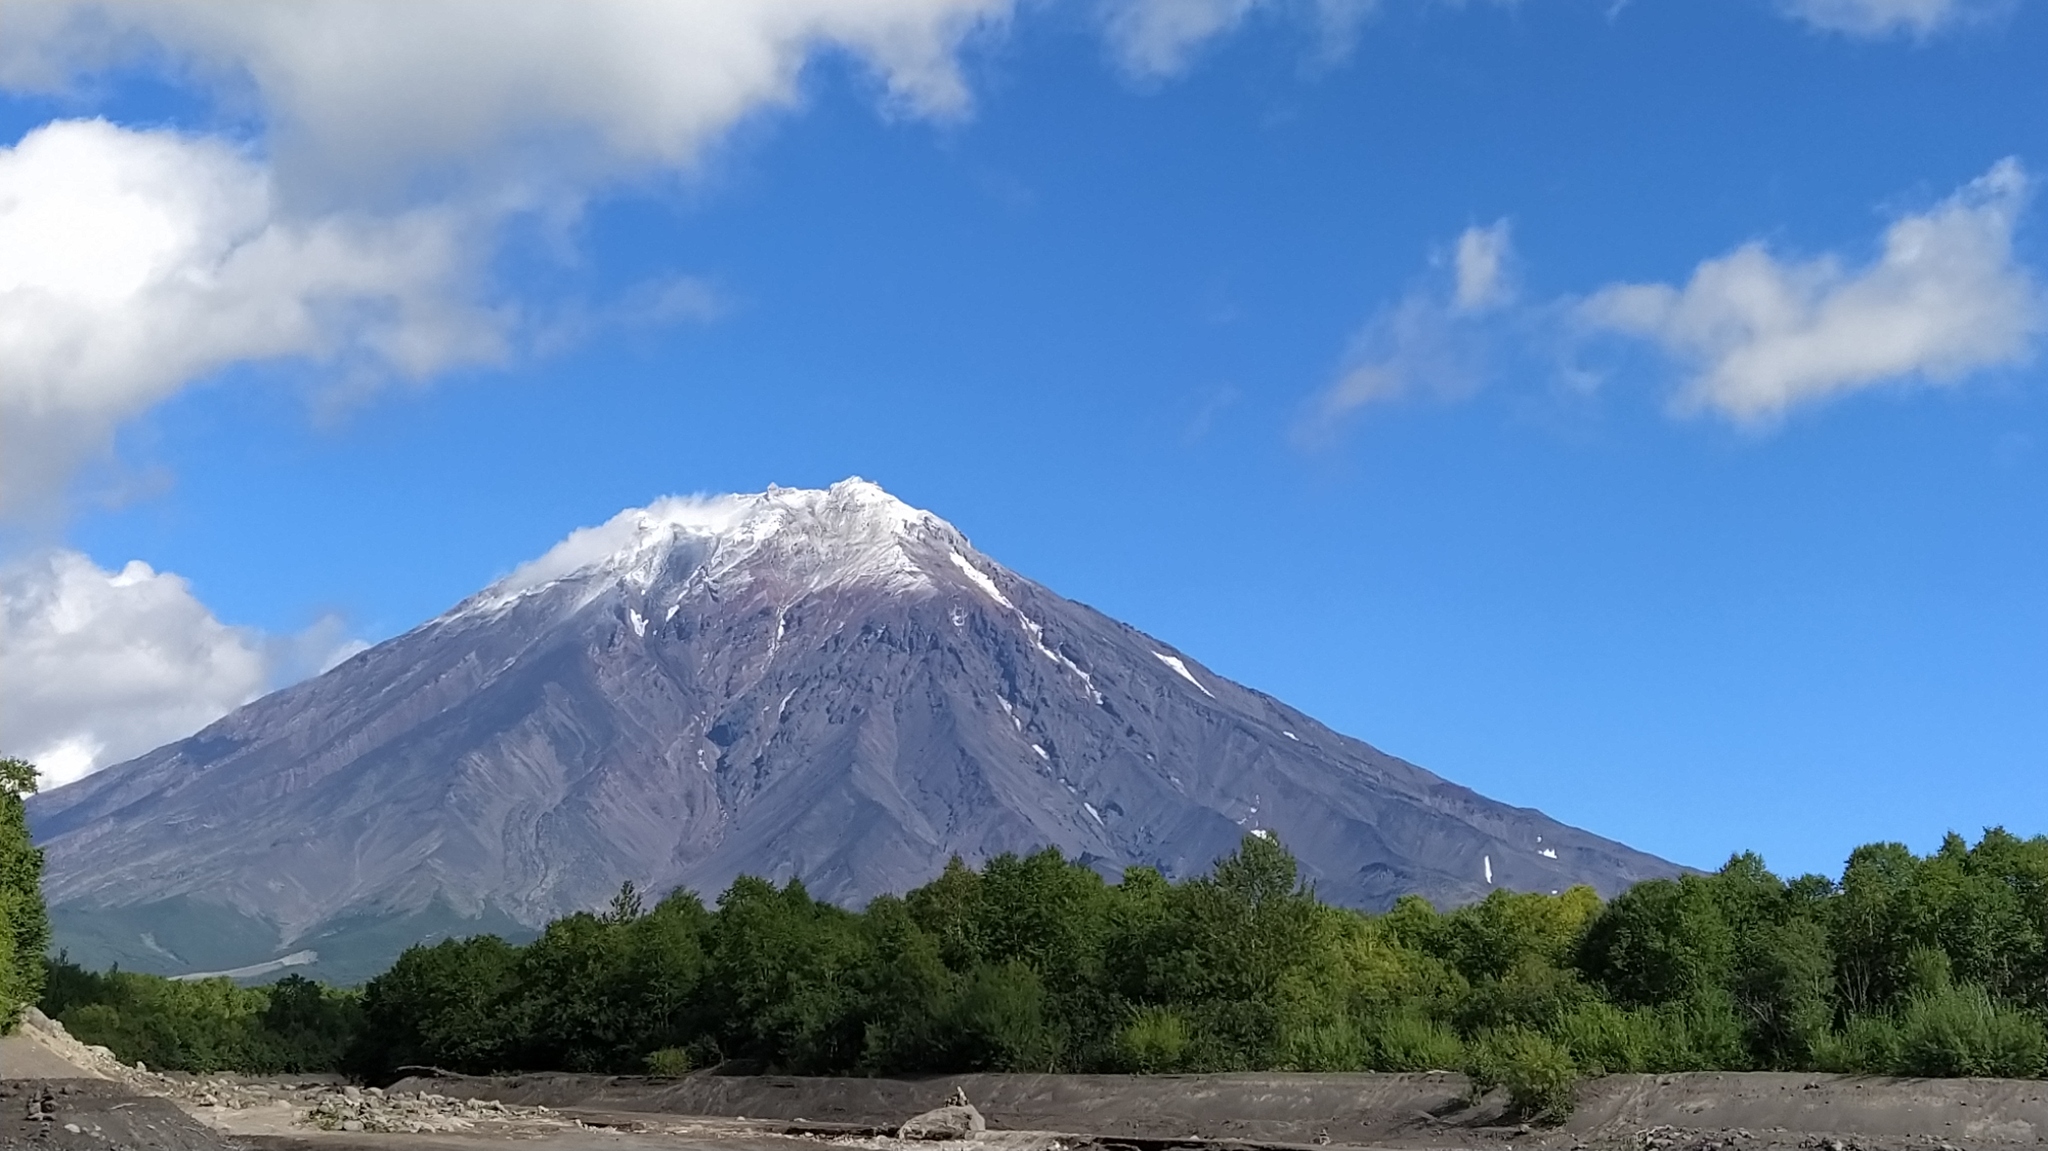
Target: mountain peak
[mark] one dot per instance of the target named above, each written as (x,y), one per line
(825,684)
(851,532)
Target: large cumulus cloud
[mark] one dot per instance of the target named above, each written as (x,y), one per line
(97,666)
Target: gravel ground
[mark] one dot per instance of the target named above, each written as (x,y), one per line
(109,1106)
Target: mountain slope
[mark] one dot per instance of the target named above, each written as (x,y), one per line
(820,684)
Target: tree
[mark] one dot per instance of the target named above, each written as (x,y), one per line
(24,920)
(782,978)
(1229,940)
(439,1006)
(907,992)
(1662,941)
(600,993)
(309,1025)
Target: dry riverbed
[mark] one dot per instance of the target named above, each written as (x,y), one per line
(57,1094)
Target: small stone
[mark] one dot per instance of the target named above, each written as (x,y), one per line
(351,1125)
(73,1128)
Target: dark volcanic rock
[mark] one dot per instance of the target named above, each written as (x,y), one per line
(818,684)
(94,1115)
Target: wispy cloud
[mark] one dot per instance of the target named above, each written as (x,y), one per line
(1877,18)
(1431,342)
(1157,39)
(1482,262)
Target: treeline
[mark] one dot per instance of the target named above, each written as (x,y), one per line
(205,1025)
(1933,965)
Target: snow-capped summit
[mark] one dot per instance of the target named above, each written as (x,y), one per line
(802,539)
(820,684)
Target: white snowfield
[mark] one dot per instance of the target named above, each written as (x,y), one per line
(851,532)
(1178,665)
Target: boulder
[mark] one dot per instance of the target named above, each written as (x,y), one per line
(953,1121)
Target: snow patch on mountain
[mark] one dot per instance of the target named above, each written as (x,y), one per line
(1032,627)
(1181,668)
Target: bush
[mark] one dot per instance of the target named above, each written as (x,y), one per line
(1539,1075)
(1606,1040)
(1330,1044)
(669,1062)
(1156,1039)
(1868,1045)
(1416,1043)
(1703,1034)
(1963,1031)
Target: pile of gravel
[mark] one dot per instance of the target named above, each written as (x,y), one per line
(407,1112)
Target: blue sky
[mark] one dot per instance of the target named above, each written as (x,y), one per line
(1634,411)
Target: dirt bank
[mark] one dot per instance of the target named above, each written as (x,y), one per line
(1753,1109)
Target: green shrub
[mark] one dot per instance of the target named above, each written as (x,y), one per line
(1414,1043)
(1606,1040)
(1963,1031)
(669,1062)
(1156,1039)
(1703,1034)
(1868,1045)
(1331,1044)
(1538,1073)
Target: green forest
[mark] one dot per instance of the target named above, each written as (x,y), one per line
(1922,965)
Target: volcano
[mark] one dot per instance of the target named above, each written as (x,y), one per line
(828,685)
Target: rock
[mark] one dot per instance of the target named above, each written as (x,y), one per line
(351,1125)
(953,1121)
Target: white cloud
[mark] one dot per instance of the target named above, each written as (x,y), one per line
(99,666)
(1944,298)
(1885,17)
(134,262)
(399,135)
(358,91)
(1430,342)
(1154,39)
(1157,37)
(1481,261)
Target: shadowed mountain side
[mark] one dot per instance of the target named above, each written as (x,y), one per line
(826,685)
